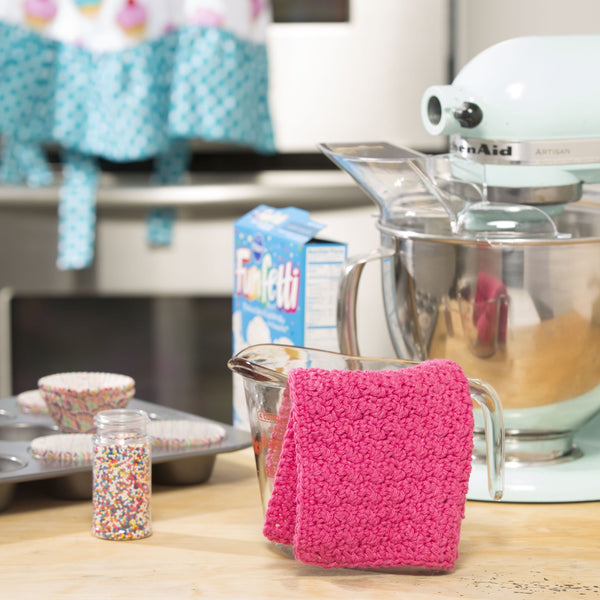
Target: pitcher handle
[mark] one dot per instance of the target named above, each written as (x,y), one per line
(347,295)
(489,401)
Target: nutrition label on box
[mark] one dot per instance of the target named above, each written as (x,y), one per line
(324,264)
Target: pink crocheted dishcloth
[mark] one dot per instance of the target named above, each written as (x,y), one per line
(375,467)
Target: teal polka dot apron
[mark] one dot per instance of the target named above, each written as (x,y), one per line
(135,85)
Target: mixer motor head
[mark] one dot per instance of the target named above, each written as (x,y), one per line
(523,119)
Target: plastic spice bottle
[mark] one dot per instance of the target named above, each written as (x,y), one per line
(122,468)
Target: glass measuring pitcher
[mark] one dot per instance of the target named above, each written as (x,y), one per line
(265,367)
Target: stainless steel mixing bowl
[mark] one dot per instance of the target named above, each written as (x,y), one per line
(521,314)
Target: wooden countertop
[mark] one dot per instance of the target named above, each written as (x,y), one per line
(207,543)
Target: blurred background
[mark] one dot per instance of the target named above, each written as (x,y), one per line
(338,71)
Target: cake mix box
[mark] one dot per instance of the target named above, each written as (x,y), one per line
(285,286)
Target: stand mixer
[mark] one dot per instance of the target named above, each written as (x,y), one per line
(490,254)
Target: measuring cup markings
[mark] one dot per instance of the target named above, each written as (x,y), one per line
(260,443)
(266,417)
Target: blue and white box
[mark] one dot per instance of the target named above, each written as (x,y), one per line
(285,285)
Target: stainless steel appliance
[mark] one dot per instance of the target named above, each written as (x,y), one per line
(169,308)
(162,315)
(491,256)
(322,53)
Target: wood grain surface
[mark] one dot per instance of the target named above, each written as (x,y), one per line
(207,543)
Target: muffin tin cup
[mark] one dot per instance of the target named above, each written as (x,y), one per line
(173,464)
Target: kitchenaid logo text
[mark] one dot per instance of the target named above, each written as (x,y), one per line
(267,283)
(537,152)
(487,149)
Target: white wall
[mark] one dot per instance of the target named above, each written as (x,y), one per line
(482,23)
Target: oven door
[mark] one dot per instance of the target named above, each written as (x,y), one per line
(161,315)
(173,346)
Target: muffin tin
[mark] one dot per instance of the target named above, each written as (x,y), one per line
(181,466)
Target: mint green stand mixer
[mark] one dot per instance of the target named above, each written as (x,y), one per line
(490,254)
(520,109)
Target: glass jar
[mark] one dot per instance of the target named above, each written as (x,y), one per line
(122,468)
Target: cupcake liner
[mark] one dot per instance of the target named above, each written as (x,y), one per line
(175,435)
(32,403)
(73,399)
(66,448)
(77,448)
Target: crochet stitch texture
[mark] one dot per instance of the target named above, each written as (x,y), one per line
(375,466)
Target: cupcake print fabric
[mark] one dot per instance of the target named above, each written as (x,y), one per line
(126,80)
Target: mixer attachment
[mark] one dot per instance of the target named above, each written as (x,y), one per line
(491,220)
(424,194)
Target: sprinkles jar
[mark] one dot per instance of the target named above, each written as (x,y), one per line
(122,470)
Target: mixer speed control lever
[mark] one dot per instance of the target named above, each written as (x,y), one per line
(468,114)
